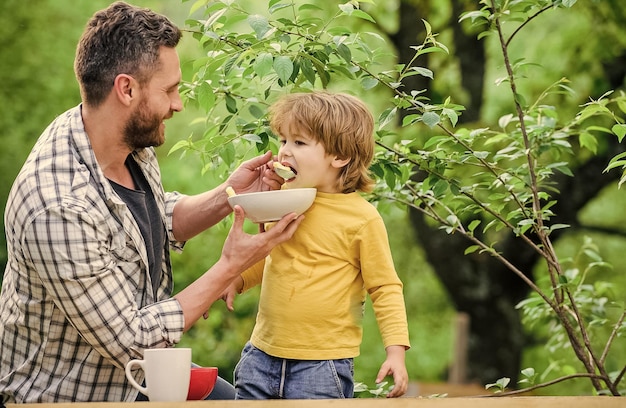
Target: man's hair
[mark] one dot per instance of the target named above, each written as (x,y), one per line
(340,122)
(121,39)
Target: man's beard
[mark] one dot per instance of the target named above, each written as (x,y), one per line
(143,129)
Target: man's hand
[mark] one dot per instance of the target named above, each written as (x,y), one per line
(241,251)
(255,175)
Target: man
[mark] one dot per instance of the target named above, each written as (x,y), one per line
(88,281)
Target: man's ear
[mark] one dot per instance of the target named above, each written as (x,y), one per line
(339,162)
(124,87)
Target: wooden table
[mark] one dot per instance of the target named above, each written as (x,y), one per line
(450,402)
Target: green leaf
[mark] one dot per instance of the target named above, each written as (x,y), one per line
(503,382)
(256,111)
(390,179)
(279,6)
(420,51)
(231,103)
(599,129)
(431,119)
(360,387)
(451,114)
(423,72)
(368,83)
(519,98)
(471,249)
(251,137)
(592,110)
(472,225)
(213,17)
(410,119)
(197,6)
(284,68)
(434,140)
(205,95)
(440,187)
(259,24)
(563,167)
(387,116)
(180,145)
(500,385)
(347,8)
(363,15)
(344,52)
(309,6)
(350,10)
(263,64)
(230,63)
(307,70)
(589,141)
(481,155)
(616,162)
(620,131)
(227,153)
(558,226)
(475,15)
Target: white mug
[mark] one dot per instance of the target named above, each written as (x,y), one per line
(167,373)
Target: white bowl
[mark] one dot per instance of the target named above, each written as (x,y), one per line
(266,206)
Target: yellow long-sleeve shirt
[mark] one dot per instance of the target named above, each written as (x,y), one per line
(314,285)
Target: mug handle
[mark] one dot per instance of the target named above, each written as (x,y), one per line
(131,379)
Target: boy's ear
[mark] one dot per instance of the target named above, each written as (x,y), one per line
(339,162)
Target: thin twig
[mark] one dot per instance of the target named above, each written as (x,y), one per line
(553,267)
(481,244)
(612,337)
(620,375)
(528,20)
(546,384)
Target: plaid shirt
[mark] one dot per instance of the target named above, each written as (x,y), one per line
(76,301)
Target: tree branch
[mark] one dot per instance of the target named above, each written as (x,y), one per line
(528,20)
(545,384)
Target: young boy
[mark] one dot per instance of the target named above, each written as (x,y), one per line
(308,327)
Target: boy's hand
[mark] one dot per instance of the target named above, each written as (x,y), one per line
(231,292)
(394,366)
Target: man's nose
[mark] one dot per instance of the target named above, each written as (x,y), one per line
(177,103)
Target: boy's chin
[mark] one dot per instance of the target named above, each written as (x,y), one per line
(290,185)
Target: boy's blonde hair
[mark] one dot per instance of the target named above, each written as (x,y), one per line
(340,122)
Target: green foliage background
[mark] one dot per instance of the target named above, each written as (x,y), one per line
(37,41)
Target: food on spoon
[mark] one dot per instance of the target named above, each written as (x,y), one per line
(284,171)
(230,191)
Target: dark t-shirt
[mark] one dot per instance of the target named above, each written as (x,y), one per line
(143,206)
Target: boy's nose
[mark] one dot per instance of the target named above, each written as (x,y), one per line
(283,150)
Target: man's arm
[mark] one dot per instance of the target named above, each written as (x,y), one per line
(91,274)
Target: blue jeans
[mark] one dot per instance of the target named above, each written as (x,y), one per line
(261,376)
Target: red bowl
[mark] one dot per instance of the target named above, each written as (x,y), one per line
(201,382)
